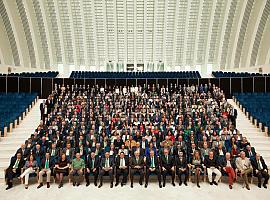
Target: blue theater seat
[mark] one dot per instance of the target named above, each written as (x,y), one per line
(221,74)
(257,104)
(49,74)
(12,105)
(134,75)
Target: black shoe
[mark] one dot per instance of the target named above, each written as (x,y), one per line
(247,186)
(185,183)
(265,186)
(163,184)
(131,185)
(259,185)
(140,183)
(39,186)
(26,187)
(173,184)
(180,183)
(145,185)
(230,186)
(122,184)
(116,184)
(48,185)
(60,185)
(87,184)
(74,184)
(9,187)
(100,185)
(78,184)
(95,183)
(211,183)
(198,185)
(215,183)
(111,186)
(160,186)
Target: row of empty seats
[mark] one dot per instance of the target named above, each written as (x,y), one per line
(49,74)
(221,74)
(12,105)
(257,104)
(116,75)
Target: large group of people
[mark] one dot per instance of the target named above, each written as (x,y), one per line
(128,131)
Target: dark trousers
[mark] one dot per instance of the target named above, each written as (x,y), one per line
(180,173)
(103,172)
(262,174)
(122,172)
(10,174)
(76,176)
(166,172)
(95,173)
(135,170)
(148,172)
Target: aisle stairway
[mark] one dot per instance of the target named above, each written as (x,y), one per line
(255,136)
(9,144)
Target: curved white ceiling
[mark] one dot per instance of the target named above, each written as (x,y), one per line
(81,34)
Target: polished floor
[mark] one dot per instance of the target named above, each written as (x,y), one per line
(191,191)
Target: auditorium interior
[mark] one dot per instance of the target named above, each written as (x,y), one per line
(134,99)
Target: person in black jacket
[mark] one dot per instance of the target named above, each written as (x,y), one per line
(152,166)
(181,167)
(106,166)
(260,170)
(167,166)
(122,166)
(14,169)
(211,164)
(228,166)
(92,166)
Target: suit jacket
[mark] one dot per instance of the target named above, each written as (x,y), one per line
(252,151)
(117,162)
(148,162)
(254,163)
(51,163)
(223,163)
(240,165)
(179,163)
(24,152)
(12,163)
(89,162)
(111,162)
(133,162)
(57,152)
(164,163)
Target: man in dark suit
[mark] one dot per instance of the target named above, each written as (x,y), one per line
(122,166)
(23,151)
(47,165)
(260,170)
(181,167)
(228,166)
(14,169)
(152,166)
(250,152)
(167,166)
(136,165)
(92,166)
(233,116)
(54,152)
(106,166)
(42,108)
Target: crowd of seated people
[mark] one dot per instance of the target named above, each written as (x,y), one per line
(145,131)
